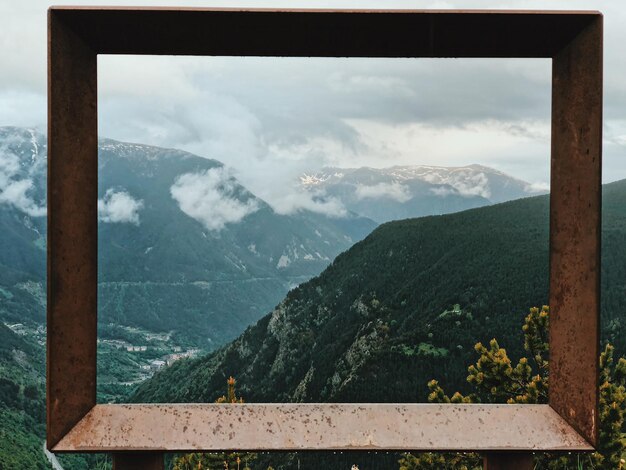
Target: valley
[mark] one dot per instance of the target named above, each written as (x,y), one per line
(191,262)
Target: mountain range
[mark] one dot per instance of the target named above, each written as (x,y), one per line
(402,306)
(402,192)
(185,249)
(182,245)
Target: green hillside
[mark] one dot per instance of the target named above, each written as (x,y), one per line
(167,283)
(163,269)
(169,272)
(404,305)
(22,408)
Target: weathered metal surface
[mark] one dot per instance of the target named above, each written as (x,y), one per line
(138,461)
(508,461)
(72,229)
(575,206)
(321,427)
(76,35)
(325,33)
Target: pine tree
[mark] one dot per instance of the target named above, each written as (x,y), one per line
(496,380)
(223,460)
(231,394)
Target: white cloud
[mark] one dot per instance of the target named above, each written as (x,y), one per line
(22,108)
(15,187)
(206,105)
(383,85)
(497,144)
(210,197)
(473,185)
(443,191)
(15,194)
(118,206)
(396,191)
(298,200)
(9,167)
(538,187)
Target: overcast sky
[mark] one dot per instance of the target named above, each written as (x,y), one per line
(272,119)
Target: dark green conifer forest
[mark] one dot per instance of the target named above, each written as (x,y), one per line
(404,306)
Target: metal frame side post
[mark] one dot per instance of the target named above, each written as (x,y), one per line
(575,211)
(72,229)
(508,461)
(138,461)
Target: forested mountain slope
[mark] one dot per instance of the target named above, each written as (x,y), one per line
(183,246)
(404,305)
(22,405)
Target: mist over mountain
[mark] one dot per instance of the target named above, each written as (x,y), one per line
(182,245)
(202,254)
(401,192)
(185,249)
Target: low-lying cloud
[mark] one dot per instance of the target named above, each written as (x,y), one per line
(395,191)
(302,200)
(469,185)
(117,206)
(16,188)
(538,188)
(15,193)
(443,191)
(211,198)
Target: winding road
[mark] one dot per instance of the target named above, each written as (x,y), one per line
(51,458)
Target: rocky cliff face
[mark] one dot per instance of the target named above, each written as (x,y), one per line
(403,306)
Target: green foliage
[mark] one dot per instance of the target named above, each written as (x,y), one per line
(442,281)
(495,380)
(85,461)
(231,394)
(422,349)
(373,307)
(204,461)
(22,407)
(432,461)
(21,441)
(376,304)
(328,342)
(612,405)
(115,331)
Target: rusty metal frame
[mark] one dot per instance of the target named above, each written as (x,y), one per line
(75,423)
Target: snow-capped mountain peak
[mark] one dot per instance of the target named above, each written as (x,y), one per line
(416,190)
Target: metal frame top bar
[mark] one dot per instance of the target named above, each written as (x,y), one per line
(325,33)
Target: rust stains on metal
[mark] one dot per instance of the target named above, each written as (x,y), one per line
(325,33)
(300,427)
(575,206)
(76,35)
(72,229)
